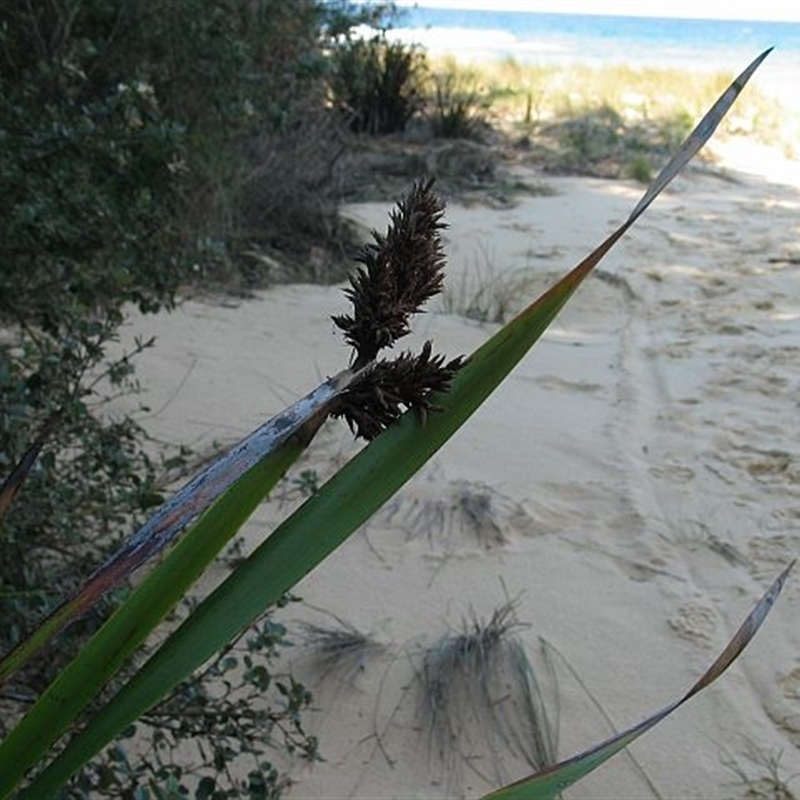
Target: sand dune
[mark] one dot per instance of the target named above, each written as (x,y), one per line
(632,488)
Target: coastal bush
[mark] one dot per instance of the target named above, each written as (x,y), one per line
(225,731)
(459,105)
(144,145)
(601,141)
(247,83)
(87,224)
(376,83)
(632,112)
(589,135)
(643,93)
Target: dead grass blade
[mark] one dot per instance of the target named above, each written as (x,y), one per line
(13,483)
(550,782)
(301,420)
(697,138)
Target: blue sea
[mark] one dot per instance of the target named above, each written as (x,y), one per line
(536,38)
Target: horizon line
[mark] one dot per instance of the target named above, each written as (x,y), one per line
(718,10)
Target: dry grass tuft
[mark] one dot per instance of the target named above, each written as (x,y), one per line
(339,651)
(449,515)
(760,773)
(482,703)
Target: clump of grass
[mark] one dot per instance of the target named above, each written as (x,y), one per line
(590,133)
(761,773)
(462,509)
(340,651)
(597,120)
(635,93)
(480,695)
(486,294)
(375,83)
(459,104)
(639,169)
(600,140)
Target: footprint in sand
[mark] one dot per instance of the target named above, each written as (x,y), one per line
(696,623)
(768,555)
(673,472)
(789,720)
(771,465)
(555,383)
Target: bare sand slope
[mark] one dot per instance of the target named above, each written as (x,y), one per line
(632,488)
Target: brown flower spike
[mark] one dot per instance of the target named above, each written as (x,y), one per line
(400,272)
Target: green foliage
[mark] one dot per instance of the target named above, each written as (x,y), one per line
(92,477)
(137,139)
(181,133)
(591,135)
(376,83)
(459,106)
(85,226)
(142,146)
(639,169)
(90,183)
(235,717)
(247,81)
(601,140)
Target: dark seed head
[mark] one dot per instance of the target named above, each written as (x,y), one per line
(399,273)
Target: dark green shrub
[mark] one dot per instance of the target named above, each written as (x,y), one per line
(375,83)
(225,732)
(459,107)
(92,478)
(90,189)
(593,134)
(136,138)
(90,179)
(223,107)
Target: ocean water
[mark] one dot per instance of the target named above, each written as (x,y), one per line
(534,38)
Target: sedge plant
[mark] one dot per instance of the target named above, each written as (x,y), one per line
(406,407)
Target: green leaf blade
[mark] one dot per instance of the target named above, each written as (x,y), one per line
(300,421)
(127,628)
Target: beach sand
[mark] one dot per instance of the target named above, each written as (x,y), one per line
(632,489)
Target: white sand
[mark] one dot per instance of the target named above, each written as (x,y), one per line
(641,465)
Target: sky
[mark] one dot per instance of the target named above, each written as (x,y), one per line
(783,10)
